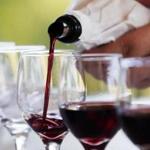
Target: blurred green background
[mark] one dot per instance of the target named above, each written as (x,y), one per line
(27,21)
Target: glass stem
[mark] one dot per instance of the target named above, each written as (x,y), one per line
(20,141)
(52,146)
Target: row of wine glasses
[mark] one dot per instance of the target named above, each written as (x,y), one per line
(92,93)
(10,114)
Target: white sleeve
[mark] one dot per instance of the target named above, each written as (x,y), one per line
(105,20)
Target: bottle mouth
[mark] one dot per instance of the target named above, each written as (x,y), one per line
(56,29)
(66,29)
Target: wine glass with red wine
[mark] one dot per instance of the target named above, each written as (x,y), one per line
(134,108)
(89,88)
(38,82)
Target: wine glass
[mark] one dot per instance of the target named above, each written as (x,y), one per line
(10,115)
(134,108)
(89,88)
(39,106)
(6,44)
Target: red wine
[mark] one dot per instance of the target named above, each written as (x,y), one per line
(50,129)
(91,123)
(136,124)
(49,72)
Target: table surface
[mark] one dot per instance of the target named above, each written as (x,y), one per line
(119,142)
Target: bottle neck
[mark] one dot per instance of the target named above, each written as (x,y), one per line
(66,29)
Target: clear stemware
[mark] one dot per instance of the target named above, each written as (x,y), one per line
(134,108)
(10,114)
(89,88)
(31,93)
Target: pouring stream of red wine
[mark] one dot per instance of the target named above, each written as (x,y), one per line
(49,74)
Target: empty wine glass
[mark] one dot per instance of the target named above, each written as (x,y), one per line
(10,114)
(5,44)
(89,88)
(40,110)
(134,108)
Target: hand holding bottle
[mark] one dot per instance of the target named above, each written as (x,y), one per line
(97,22)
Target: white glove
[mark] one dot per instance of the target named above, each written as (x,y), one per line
(104,21)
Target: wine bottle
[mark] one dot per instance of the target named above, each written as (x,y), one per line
(66,28)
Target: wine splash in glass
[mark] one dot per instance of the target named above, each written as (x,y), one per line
(45,121)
